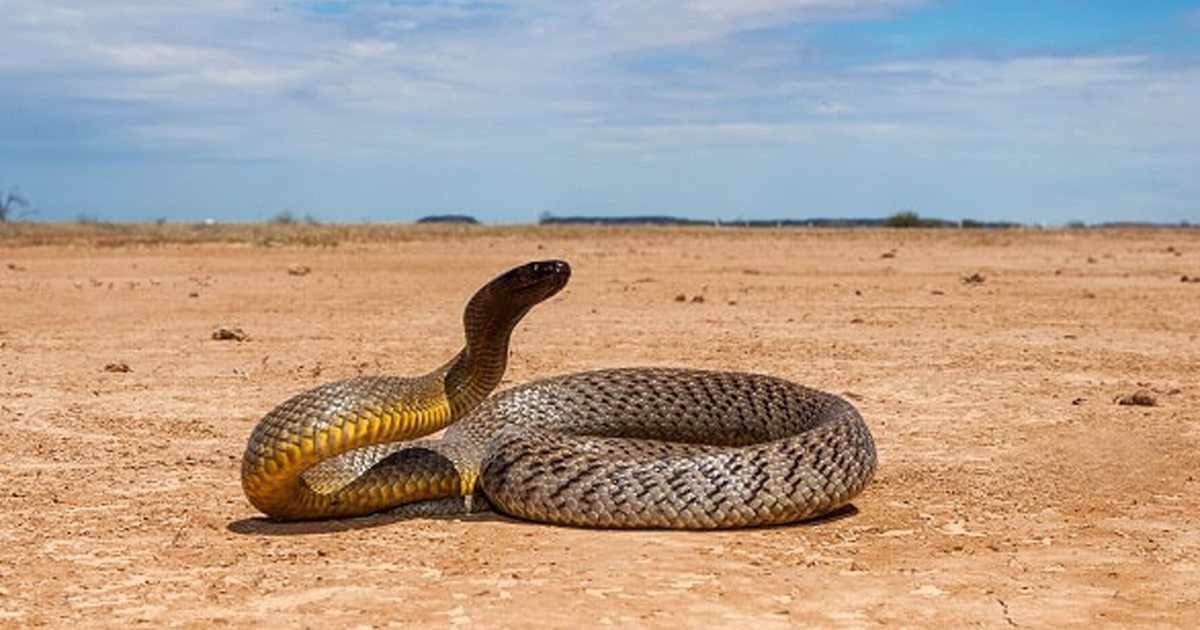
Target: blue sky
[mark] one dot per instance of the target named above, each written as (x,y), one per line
(1038,111)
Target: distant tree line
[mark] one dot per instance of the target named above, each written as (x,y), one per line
(906,219)
(449,218)
(287,217)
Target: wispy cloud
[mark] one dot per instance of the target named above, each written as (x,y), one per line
(439,87)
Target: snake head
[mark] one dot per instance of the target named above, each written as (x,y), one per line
(532,282)
(501,303)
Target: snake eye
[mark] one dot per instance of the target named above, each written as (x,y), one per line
(551,267)
(543,271)
(544,266)
(534,281)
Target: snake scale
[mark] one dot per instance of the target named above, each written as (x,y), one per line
(622,448)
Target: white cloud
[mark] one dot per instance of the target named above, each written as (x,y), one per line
(1124,100)
(1019,75)
(228,79)
(367,48)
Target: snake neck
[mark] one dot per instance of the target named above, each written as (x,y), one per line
(477,370)
(488,323)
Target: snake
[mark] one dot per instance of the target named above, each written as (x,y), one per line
(624,447)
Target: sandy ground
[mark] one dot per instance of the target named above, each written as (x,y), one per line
(1013,490)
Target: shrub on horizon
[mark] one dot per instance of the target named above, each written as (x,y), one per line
(906,219)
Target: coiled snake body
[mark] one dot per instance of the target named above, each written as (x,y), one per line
(629,447)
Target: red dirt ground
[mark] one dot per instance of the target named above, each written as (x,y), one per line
(1013,489)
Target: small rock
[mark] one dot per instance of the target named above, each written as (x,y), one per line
(1140,398)
(681,298)
(958,528)
(117,366)
(698,299)
(299,270)
(975,278)
(194,294)
(15,267)
(225,333)
(928,590)
(1189,279)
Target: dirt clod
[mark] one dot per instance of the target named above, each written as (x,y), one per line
(117,366)
(299,270)
(1140,398)
(229,333)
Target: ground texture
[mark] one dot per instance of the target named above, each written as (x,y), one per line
(1013,489)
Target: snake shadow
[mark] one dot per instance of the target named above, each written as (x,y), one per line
(262,526)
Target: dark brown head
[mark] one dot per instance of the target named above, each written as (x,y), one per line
(532,282)
(501,303)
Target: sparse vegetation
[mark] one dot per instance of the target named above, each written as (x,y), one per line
(101,233)
(906,219)
(262,234)
(286,217)
(465,219)
(10,203)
